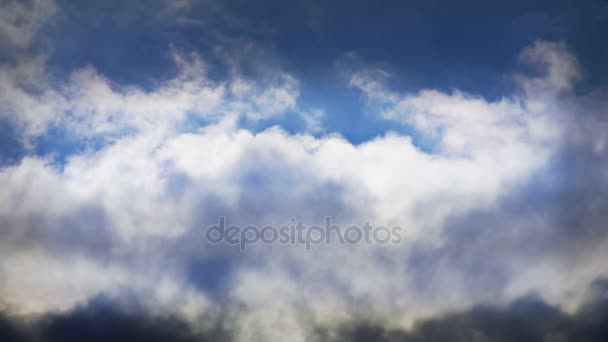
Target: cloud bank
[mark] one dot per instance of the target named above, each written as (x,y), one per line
(498,200)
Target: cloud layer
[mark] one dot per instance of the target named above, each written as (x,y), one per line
(498,199)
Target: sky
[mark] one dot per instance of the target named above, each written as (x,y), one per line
(474,132)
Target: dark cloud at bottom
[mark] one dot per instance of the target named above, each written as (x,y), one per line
(527,319)
(104,320)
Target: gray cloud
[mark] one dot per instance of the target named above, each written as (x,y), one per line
(525,319)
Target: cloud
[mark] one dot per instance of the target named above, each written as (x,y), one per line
(468,124)
(20,21)
(104,319)
(561,67)
(524,319)
(128,215)
(89,105)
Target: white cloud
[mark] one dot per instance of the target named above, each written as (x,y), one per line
(466,124)
(90,105)
(152,189)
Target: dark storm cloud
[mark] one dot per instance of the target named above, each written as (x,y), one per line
(528,319)
(102,319)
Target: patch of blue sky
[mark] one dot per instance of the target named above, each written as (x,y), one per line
(59,143)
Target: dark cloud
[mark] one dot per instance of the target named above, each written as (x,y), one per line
(105,320)
(528,319)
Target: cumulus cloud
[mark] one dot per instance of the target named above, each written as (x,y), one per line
(468,124)
(133,210)
(90,105)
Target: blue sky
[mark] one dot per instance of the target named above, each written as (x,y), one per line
(129,128)
(470,46)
